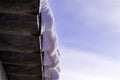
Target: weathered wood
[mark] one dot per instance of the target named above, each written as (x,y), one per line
(26,64)
(19,6)
(20,45)
(14,77)
(25,44)
(31,70)
(18,24)
(23,72)
(23,77)
(29,59)
(22,69)
(20,56)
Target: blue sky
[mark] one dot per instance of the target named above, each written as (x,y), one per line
(89,38)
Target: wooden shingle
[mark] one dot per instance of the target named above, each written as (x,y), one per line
(19,6)
(20,41)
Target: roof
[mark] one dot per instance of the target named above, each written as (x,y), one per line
(20,43)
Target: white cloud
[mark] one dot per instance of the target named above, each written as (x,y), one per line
(95,11)
(83,65)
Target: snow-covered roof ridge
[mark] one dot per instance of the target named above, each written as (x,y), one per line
(50,43)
